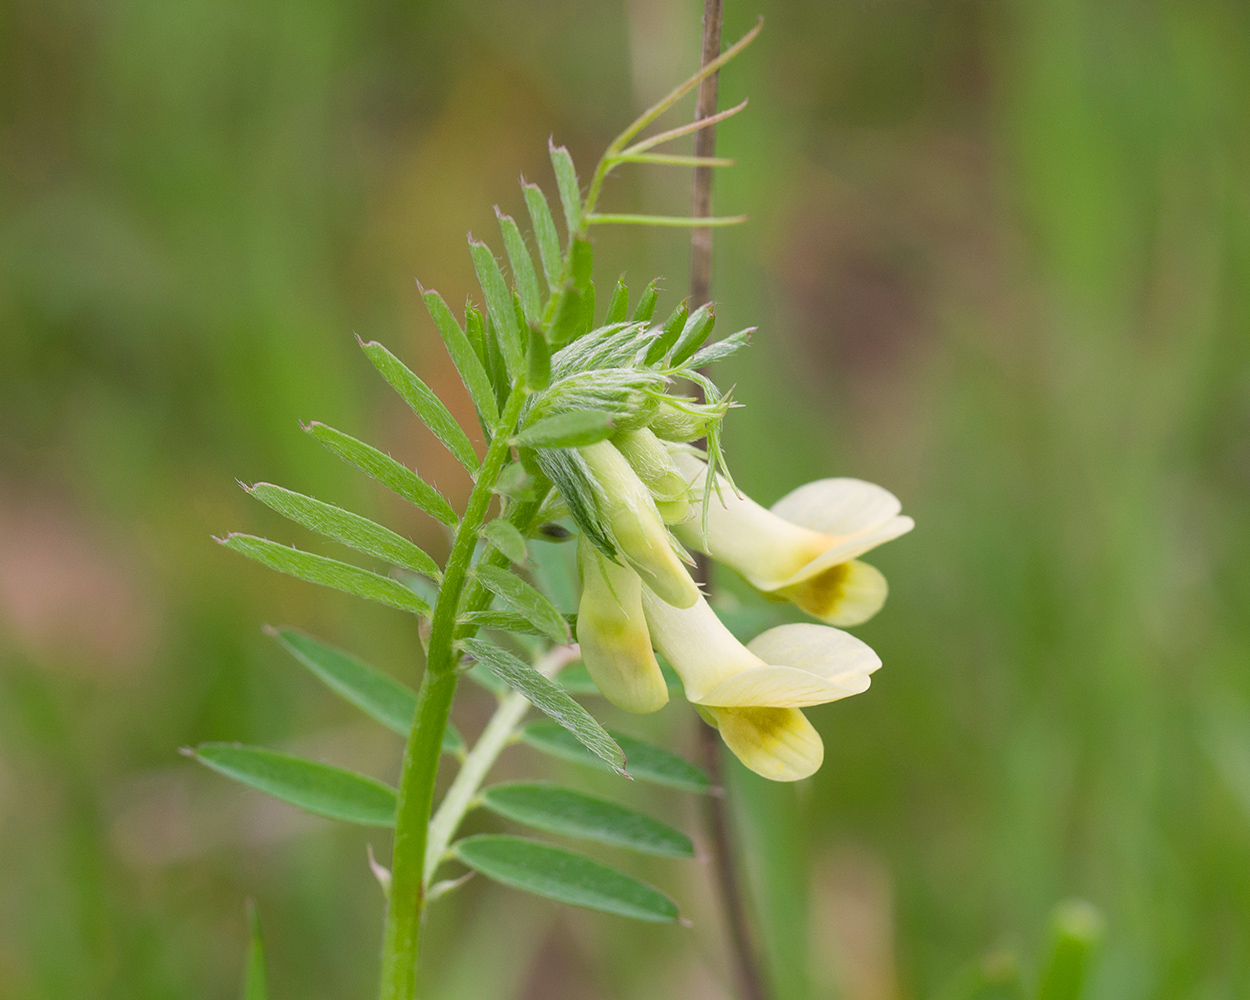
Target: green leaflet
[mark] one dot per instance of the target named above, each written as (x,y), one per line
(525,601)
(424,403)
(524,277)
(548,698)
(574,814)
(618,305)
(1076,932)
(504,535)
(572,429)
(394,475)
(466,359)
(516,483)
(669,333)
(499,306)
(568,317)
(538,366)
(563,876)
(326,572)
(566,182)
(352,530)
(646,762)
(255,984)
(315,787)
(646,304)
(499,621)
(696,330)
(379,695)
(545,234)
(722,348)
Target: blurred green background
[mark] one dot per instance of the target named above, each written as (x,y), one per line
(999,255)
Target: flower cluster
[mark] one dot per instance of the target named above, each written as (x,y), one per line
(643,497)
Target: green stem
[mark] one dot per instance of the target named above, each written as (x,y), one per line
(496,736)
(421,756)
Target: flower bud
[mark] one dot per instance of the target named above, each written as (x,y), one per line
(612,633)
(649,458)
(628,509)
(672,422)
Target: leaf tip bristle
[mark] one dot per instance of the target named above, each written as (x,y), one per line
(187,752)
(420,287)
(271,630)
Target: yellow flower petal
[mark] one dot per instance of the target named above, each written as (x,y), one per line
(838,506)
(612,633)
(845,594)
(698,645)
(779,687)
(776,743)
(826,652)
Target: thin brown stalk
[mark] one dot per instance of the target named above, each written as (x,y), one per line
(743,956)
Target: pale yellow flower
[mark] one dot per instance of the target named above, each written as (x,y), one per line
(612,633)
(637,528)
(754,693)
(804,549)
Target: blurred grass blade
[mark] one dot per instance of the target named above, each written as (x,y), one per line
(327,572)
(545,235)
(394,475)
(498,306)
(561,875)
(722,348)
(318,788)
(646,762)
(669,221)
(696,330)
(574,814)
(566,183)
(525,601)
(546,697)
(669,333)
(618,305)
(567,430)
(504,535)
(646,304)
(352,530)
(674,160)
(467,361)
(524,277)
(1076,932)
(255,978)
(424,403)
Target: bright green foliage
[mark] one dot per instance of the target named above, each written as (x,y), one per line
(645,761)
(548,698)
(563,876)
(255,980)
(545,234)
(575,814)
(1076,932)
(570,192)
(524,276)
(317,788)
(499,308)
(423,402)
(467,360)
(722,348)
(507,539)
(618,305)
(697,328)
(343,526)
(646,304)
(378,695)
(669,333)
(327,572)
(526,601)
(572,429)
(390,473)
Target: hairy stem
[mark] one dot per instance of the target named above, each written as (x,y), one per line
(496,736)
(421,756)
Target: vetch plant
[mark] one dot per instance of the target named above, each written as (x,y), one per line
(600,423)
